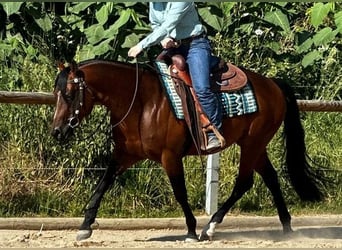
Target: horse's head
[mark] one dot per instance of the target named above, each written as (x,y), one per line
(70,97)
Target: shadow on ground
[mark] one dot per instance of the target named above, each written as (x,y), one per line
(267,234)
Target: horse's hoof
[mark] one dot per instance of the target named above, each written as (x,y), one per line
(287,230)
(204,236)
(191,238)
(208,232)
(83,234)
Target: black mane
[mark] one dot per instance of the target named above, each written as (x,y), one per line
(141,65)
(62,79)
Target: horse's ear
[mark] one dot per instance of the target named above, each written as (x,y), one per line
(73,66)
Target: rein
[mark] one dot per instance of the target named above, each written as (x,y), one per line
(134,96)
(74,121)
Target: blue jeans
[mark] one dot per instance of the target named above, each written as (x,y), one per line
(200,60)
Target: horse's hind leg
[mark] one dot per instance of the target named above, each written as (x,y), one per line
(269,175)
(244,182)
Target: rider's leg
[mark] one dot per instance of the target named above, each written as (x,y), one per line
(199,61)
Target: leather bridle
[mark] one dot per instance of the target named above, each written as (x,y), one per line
(73,120)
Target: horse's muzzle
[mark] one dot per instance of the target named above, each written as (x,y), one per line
(62,134)
(56,133)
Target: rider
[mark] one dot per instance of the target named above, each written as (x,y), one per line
(172,23)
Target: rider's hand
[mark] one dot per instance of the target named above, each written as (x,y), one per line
(134,51)
(168,43)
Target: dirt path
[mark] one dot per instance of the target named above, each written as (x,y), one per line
(310,232)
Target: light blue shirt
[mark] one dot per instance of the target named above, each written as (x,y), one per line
(178,20)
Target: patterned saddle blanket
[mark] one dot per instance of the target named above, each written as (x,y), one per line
(235,103)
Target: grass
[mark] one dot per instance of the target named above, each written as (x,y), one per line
(39,186)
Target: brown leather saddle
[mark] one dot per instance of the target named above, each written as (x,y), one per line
(227,78)
(224,77)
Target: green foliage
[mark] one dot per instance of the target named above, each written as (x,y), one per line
(11,7)
(319,13)
(298,41)
(107,29)
(301,54)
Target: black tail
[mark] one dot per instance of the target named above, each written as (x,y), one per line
(307,181)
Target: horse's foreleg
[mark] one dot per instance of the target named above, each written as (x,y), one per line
(179,189)
(106,181)
(174,169)
(270,178)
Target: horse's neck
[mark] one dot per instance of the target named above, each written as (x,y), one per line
(119,87)
(109,81)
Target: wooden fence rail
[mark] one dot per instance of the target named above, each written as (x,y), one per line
(48,98)
(26,97)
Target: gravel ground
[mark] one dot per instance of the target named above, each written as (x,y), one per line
(235,232)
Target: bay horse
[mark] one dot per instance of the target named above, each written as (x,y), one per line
(145,127)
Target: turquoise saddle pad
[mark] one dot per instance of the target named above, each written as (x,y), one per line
(235,103)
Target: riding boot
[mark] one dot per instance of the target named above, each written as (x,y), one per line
(213,142)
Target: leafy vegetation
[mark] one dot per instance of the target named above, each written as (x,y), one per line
(300,42)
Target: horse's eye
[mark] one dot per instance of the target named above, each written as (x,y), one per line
(69,96)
